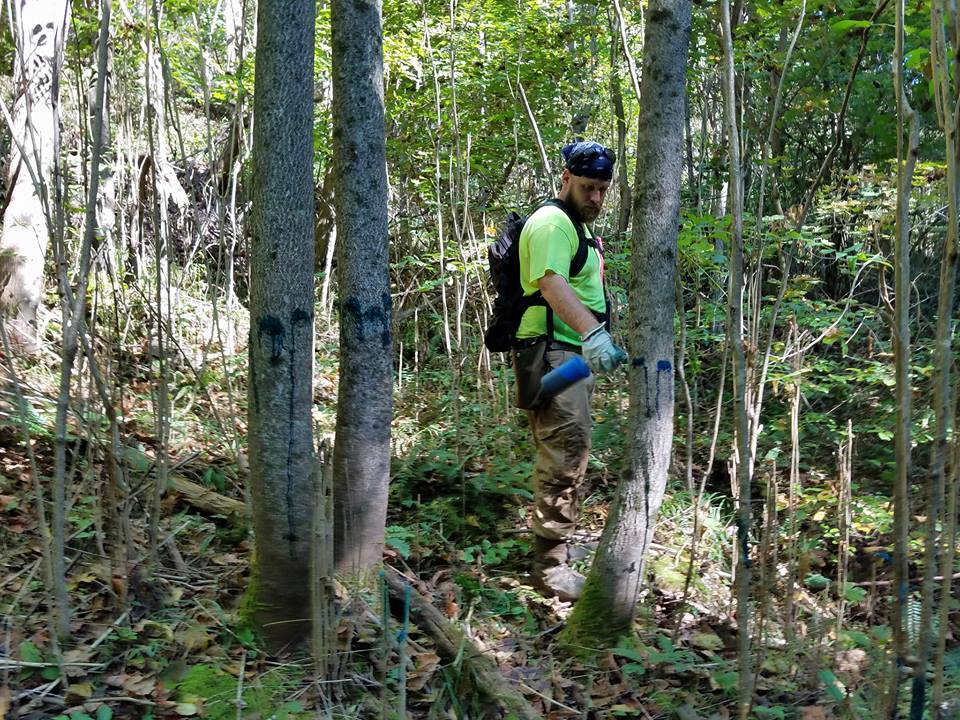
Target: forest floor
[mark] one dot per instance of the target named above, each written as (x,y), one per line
(168,638)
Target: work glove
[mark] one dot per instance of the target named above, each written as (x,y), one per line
(600,351)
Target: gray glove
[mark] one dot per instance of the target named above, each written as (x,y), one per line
(600,351)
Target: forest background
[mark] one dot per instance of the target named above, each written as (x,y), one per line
(134,447)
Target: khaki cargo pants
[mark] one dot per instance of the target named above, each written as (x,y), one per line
(562,433)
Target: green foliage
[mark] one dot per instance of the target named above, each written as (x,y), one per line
(214,690)
(488,553)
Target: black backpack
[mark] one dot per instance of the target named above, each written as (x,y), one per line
(510,303)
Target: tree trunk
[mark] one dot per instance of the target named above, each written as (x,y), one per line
(936,485)
(281,318)
(361,459)
(620,117)
(606,609)
(735,338)
(40,27)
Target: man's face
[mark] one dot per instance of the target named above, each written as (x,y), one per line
(584,195)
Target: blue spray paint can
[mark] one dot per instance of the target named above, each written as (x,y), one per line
(560,378)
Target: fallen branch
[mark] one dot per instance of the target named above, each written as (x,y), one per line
(913,581)
(207,500)
(452,643)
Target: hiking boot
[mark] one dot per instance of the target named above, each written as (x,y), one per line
(559,581)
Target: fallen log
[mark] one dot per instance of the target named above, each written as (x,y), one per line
(194,494)
(451,643)
(206,500)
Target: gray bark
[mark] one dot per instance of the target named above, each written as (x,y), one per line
(943,355)
(39,27)
(281,317)
(607,606)
(741,405)
(361,460)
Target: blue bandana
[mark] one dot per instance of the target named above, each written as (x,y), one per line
(589,159)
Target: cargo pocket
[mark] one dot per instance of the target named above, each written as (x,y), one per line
(529,367)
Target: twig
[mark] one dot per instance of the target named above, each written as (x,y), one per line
(43,691)
(548,699)
(631,66)
(238,699)
(122,698)
(106,633)
(8,662)
(536,134)
(884,583)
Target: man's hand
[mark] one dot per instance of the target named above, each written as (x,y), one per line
(600,351)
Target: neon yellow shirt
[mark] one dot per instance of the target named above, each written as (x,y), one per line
(548,243)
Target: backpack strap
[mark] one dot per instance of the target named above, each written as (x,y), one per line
(577,263)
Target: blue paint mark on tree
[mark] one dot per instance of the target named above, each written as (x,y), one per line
(368,319)
(642,364)
(297,317)
(275,331)
(664,367)
(272,327)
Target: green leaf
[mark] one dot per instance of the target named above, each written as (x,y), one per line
(770,712)
(629,653)
(844,25)
(30,653)
(397,539)
(834,686)
(104,712)
(860,639)
(816,581)
(246,637)
(917,58)
(50,673)
(854,594)
(726,681)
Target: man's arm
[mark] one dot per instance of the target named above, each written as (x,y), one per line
(565,304)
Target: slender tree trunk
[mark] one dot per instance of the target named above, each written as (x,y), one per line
(735,335)
(361,459)
(606,609)
(906,159)
(39,27)
(73,303)
(281,318)
(620,118)
(944,64)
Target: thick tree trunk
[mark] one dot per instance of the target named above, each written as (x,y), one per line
(281,318)
(606,609)
(40,26)
(361,459)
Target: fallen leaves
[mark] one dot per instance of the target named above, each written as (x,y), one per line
(134,684)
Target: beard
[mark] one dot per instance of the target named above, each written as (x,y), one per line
(586,213)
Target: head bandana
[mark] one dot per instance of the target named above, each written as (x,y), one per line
(589,159)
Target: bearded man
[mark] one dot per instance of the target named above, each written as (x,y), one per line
(561,260)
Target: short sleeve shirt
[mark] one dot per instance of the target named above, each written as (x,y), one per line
(548,243)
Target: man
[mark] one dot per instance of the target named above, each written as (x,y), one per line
(571,321)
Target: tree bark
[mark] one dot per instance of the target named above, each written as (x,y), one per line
(40,28)
(281,318)
(361,459)
(605,611)
(942,58)
(735,338)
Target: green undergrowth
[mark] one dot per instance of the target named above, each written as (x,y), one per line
(217,695)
